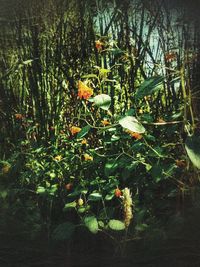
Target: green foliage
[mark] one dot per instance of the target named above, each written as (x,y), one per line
(149,86)
(63,231)
(192,146)
(119,138)
(132,124)
(102,101)
(92,224)
(116,225)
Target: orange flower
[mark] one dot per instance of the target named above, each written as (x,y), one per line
(134,135)
(105,122)
(98,45)
(118,192)
(87,157)
(181,163)
(18,116)
(58,158)
(74,130)
(68,186)
(84,91)
(160,120)
(170,56)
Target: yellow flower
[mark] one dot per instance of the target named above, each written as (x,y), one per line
(6,169)
(84,142)
(74,130)
(88,157)
(105,122)
(58,158)
(84,91)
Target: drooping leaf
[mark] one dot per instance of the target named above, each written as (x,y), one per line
(83,131)
(149,86)
(102,101)
(116,225)
(92,224)
(192,146)
(132,124)
(63,231)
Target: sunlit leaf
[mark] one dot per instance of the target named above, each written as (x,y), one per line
(69,205)
(40,190)
(116,225)
(88,76)
(102,101)
(92,224)
(95,196)
(132,124)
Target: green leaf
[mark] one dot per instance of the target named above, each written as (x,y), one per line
(70,205)
(63,231)
(192,146)
(41,190)
(83,132)
(156,172)
(102,101)
(89,76)
(95,196)
(132,124)
(149,86)
(110,167)
(92,224)
(110,195)
(116,225)
(115,138)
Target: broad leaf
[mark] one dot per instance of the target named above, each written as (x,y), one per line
(132,124)
(92,224)
(63,231)
(116,225)
(149,86)
(192,146)
(83,132)
(102,101)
